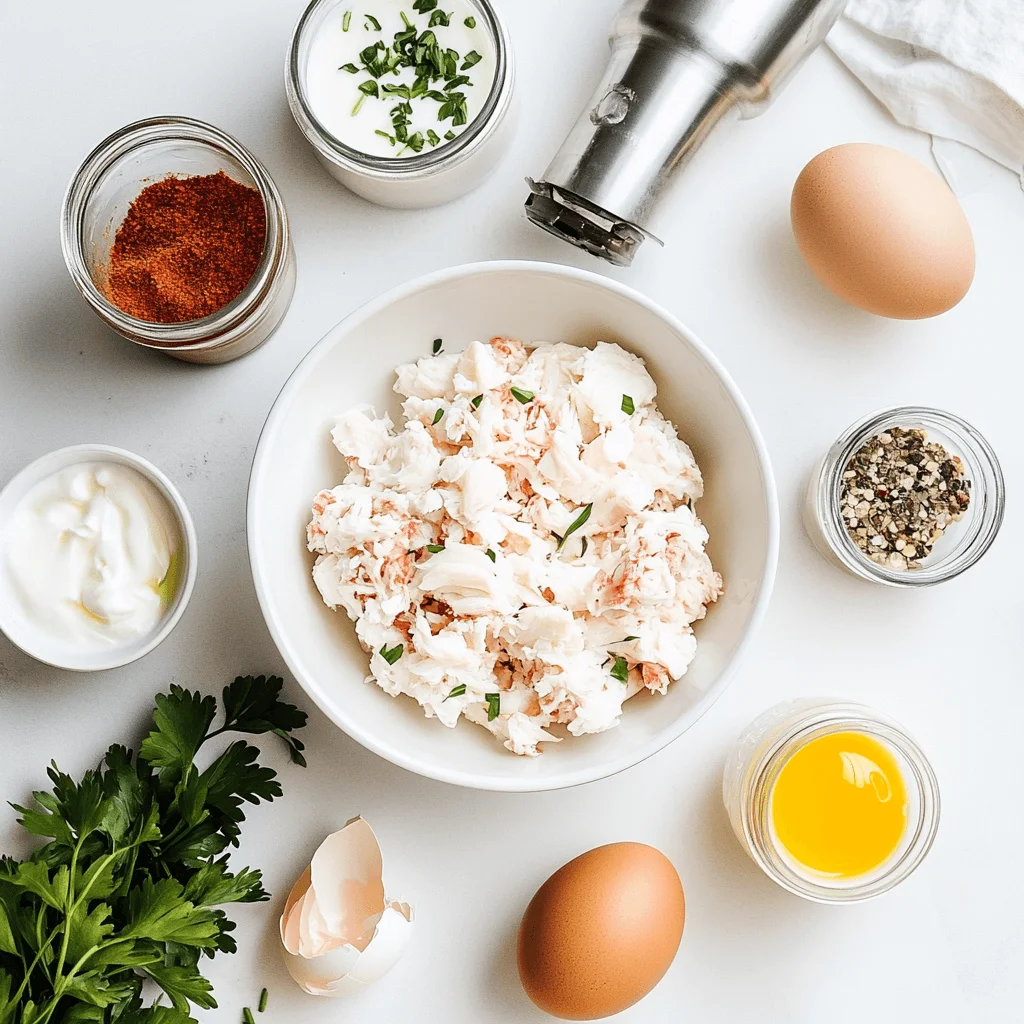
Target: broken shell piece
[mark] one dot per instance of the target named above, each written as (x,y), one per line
(339,931)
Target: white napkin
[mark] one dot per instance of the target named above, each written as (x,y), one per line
(952,68)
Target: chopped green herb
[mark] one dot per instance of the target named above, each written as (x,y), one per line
(415,142)
(449,135)
(350,68)
(247,1016)
(491,555)
(263,1001)
(470,22)
(391,656)
(432,137)
(521,396)
(455,108)
(493,706)
(435,548)
(471,60)
(346,21)
(369,88)
(620,670)
(580,520)
(406,21)
(440,18)
(384,135)
(626,640)
(423,6)
(476,401)
(457,691)
(627,405)
(584,546)
(438,343)
(371,22)
(398,90)
(437,417)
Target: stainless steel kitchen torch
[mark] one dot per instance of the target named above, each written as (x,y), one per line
(676,67)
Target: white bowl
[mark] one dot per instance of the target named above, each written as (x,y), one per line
(39,645)
(354,364)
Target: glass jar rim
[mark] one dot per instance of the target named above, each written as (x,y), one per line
(218,327)
(422,164)
(987,482)
(822,720)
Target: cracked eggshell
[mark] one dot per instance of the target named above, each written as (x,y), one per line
(339,930)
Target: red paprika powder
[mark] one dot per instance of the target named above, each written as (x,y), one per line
(187,248)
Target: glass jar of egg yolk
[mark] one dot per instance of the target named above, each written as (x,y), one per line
(833,801)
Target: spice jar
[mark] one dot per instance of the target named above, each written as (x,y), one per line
(434,175)
(765,748)
(829,519)
(100,196)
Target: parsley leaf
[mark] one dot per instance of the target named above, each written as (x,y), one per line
(393,655)
(620,670)
(521,396)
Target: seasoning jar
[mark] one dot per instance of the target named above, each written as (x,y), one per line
(432,176)
(757,760)
(99,197)
(962,543)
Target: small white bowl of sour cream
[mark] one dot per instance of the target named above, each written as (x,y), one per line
(97,558)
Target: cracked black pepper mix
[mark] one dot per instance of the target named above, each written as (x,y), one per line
(899,493)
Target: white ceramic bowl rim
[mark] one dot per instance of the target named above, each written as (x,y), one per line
(123,654)
(568,779)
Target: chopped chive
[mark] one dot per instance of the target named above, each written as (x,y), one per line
(493,706)
(491,555)
(627,639)
(372,23)
(471,59)
(584,546)
(457,691)
(393,655)
(627,405)
(620,670)
(435,548)
(384,135)
(476,401)
(470,22)
(521,396)
(437,417)
(350,68)
(580,520)
(346,21)
(438,343)
(263,1001)
(247,1016)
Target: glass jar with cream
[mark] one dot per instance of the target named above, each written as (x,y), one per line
(832,800)
(407,104)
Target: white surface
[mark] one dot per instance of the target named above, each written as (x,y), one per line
(946,947)
(355,365)
(943,66)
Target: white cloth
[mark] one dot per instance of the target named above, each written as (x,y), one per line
(952,68)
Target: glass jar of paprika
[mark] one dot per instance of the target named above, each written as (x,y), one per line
(151,177)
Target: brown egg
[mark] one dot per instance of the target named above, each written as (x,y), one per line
(882,231)
(601,932)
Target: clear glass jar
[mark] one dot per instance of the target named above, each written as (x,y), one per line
(964,541)
(754,765)
(432,177)
(105,186)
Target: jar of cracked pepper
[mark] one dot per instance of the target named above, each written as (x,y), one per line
(908,497)
(200,297)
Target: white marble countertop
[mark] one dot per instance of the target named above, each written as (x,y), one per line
(947,946)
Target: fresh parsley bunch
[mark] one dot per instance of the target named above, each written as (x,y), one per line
(128,885)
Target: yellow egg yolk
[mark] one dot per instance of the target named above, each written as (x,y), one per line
(839,806)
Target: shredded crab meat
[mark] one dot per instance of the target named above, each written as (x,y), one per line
(460,548)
